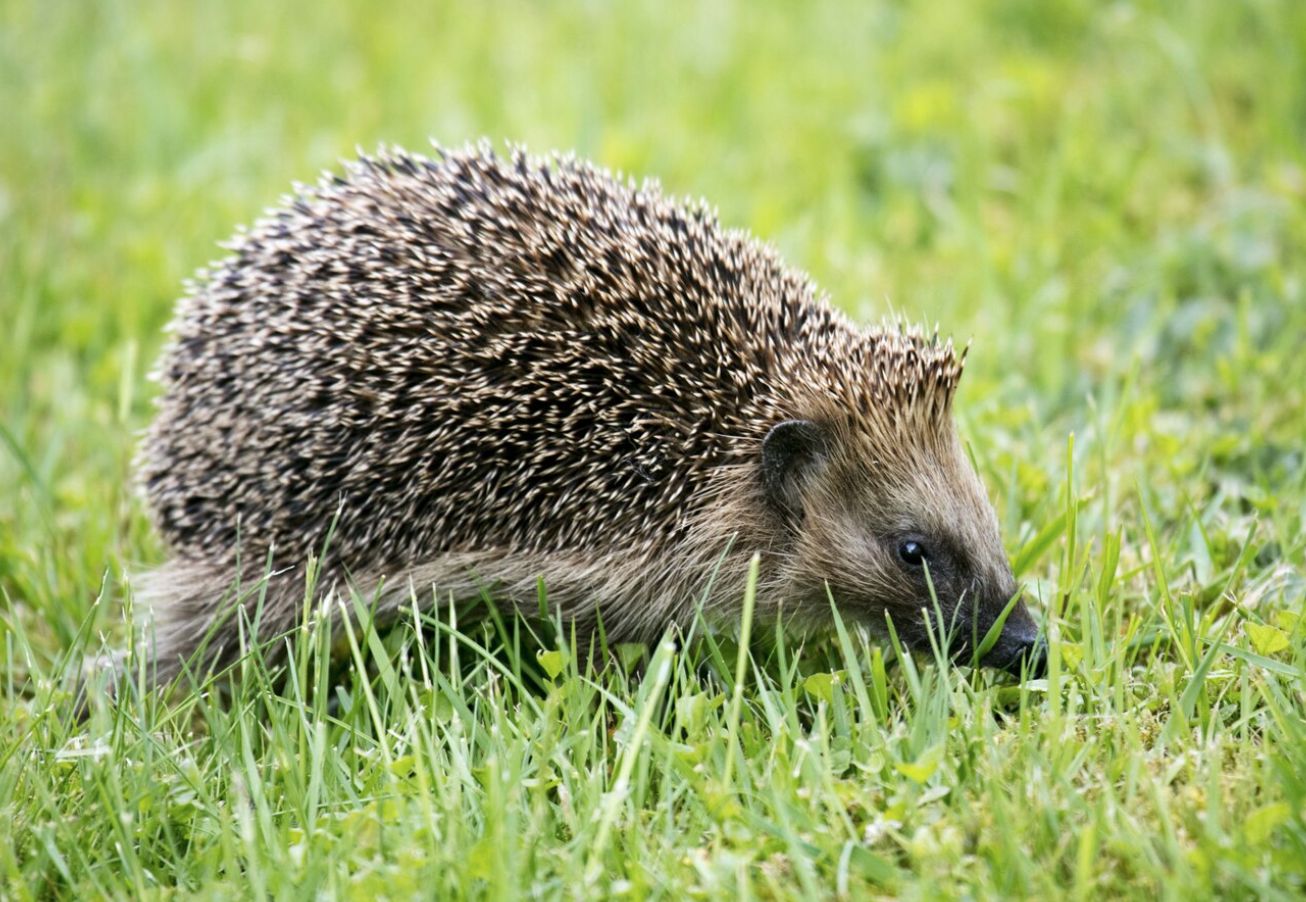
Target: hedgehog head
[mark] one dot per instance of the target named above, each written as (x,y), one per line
(881,504)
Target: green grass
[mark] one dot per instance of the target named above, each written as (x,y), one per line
(1109,199)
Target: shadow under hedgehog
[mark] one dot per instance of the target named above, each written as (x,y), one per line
(478,372)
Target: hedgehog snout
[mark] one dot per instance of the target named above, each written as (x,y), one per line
(1020,650)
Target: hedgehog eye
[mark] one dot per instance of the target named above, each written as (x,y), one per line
(912,553)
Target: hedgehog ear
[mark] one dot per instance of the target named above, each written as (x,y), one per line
(791,451)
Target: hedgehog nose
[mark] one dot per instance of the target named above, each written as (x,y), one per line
(1030,659)
(1020,650)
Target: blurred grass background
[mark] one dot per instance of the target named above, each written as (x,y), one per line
(1109,199)
(1095,194)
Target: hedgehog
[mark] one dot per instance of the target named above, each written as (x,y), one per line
(429,378)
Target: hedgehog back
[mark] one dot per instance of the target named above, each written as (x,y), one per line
(472,352)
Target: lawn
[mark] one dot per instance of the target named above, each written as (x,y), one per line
(1107,200)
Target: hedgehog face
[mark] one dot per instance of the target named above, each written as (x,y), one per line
(922,547)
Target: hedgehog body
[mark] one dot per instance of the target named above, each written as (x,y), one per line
(472,373)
